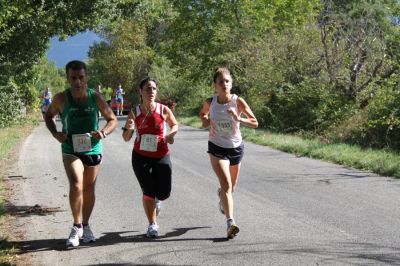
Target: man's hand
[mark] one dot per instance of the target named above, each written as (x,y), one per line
(60,136)
(99,134)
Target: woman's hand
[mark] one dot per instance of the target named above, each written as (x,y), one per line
(234,114)
(130,124)
(170,138)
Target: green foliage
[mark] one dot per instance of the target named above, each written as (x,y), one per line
(356,44)
(305,107)
(124,58)
(48,75)
(10,105)
(381,124)
(303,66)
(175,84)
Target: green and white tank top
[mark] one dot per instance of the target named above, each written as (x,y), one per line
(79,120)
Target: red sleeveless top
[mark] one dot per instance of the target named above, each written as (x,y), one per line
(150,133)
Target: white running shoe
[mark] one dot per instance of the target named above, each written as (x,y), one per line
(152,230)
(74,236)
(232,228)
(88,236)
(158,206)
(221,209)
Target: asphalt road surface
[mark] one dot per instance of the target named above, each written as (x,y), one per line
(291,210)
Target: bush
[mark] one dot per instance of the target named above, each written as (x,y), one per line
(10,105)
(378,123)
(381,127)
(308,106)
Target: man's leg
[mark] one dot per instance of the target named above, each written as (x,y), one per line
(89,198)
(74,169)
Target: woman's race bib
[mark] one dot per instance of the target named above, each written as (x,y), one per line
(81,142)
(224,126)
(148,142)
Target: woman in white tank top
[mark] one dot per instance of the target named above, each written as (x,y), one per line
(223,114)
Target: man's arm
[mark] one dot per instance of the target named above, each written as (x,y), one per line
(55,108)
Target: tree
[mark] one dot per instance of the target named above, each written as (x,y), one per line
(26,27)
(357,47)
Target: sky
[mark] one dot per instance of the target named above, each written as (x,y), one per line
(74,48)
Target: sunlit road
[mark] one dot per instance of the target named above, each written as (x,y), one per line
(291,210)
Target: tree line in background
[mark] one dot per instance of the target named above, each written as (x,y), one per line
(327,68)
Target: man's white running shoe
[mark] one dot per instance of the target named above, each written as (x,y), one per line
(221,209)
(74,236)
(152,231)
(158,206)
(88,236)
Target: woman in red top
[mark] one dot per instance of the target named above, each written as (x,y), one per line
(150,156)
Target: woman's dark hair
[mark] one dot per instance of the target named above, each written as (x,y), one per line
(168,101)
(219,71)
(75,65)
(145,80)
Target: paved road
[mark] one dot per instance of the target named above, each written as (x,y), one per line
(291,210)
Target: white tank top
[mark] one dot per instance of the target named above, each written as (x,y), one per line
(224,131)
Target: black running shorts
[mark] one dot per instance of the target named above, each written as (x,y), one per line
(234,155)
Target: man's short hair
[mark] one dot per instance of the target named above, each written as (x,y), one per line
(75,65)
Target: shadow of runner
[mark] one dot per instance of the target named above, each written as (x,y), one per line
(347,253)
(114,238)
(132,264)
(107,239)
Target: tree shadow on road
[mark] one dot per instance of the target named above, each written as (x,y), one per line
(348,253)
(25,211)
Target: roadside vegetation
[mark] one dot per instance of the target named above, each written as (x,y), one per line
(10,137)
(322,76)
(379,161)
(323,69)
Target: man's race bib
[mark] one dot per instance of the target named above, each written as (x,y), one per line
(81,142)
(148,142)
(224,126)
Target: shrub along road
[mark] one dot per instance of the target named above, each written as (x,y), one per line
(291,210)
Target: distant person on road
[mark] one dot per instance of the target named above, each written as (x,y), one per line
(223,113)
(150,156)
(46,100)
(107,94)
(119,97)
(81,144)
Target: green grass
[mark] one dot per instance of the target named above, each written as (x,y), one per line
(9,139)
(381,162)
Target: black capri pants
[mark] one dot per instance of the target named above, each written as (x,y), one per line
(154,175)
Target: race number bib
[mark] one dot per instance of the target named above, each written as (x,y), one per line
(148,142)
(81,142)
(224,126)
